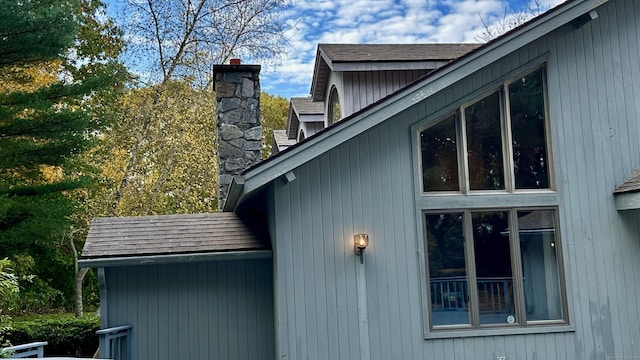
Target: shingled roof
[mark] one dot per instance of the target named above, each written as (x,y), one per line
(631,185)
(359,57)
(393,52)
(173,234)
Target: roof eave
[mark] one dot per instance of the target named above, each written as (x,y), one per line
(173,258)
(258,176)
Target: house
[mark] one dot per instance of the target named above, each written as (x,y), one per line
(349,77)
(488,210)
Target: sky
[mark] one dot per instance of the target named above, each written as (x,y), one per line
(311,22)
(377,21)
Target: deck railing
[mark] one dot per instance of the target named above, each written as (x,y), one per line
(452,293)
(34,349)
(115,342)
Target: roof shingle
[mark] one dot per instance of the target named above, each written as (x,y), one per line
(173,234)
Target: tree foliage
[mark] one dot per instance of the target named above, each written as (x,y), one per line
(275,110)
(159,158)
(57,60)
(180,39)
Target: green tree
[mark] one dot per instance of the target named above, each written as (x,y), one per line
(159,158)
(275,110)
(54,67)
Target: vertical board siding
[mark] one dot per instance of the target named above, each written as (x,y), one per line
(367,185)
(207,310)
(363,88)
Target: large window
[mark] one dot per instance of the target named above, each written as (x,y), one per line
(490,213)
(498,142)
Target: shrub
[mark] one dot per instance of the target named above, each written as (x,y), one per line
(66,334)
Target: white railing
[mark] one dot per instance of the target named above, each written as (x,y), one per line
(452,293)
(115,342)
(34,349)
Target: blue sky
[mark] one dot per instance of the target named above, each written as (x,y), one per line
(376,21)
(311,22)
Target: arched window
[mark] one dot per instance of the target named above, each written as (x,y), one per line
(301,136)
(334,113)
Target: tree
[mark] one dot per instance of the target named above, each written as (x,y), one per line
(180,39)
(275,110)
(511,19)
(56,60)
(160,158)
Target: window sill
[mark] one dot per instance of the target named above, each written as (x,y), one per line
(467,333)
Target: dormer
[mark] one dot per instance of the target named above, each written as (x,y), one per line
(349,77)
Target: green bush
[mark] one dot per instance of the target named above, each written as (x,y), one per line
(66,334)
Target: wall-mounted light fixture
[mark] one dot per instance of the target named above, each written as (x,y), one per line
(360,242)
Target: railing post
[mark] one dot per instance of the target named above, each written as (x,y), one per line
(111,342)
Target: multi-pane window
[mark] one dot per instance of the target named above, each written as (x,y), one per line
(496,143)
(493,267)
(496,262)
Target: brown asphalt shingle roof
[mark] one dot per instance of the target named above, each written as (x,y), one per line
(173,234)
(394,52)
(306,106)
(631,185)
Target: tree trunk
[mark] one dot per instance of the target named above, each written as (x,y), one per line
(78,288)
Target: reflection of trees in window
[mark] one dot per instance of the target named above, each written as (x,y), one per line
(439,157)
(334,112)
(528,130)
(519,109)
(484,144)
(488,257)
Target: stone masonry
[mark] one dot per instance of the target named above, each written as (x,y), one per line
(239,142)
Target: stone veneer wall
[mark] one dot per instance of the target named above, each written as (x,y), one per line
(239,139)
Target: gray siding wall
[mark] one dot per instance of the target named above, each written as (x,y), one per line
(367,185)
(366,87)
(207,310)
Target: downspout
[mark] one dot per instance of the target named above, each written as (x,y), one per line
(363,315)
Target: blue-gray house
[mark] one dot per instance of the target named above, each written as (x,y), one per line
(485,210)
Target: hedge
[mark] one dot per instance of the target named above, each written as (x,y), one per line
(66,334)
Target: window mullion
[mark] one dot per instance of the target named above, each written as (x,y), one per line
(516,263)
(471,270)
(463,158)
(507,144)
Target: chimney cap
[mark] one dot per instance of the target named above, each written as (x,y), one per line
(235,61)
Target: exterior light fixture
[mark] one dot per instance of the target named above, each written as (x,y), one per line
(360,242)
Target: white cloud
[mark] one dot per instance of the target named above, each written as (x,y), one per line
(377,21)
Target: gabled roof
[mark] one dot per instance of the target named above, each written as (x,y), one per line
(281,141)
(298,107)
(261,174)
(363,57)
(128,239)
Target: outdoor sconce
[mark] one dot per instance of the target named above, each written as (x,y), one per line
(360,242)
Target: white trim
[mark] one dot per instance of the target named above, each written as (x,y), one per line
(174,258)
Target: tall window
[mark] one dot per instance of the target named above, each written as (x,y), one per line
(334,113)
(492,259)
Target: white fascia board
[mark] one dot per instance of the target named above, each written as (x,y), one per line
(403,99)
(390,65)
(312,118)
(173,258)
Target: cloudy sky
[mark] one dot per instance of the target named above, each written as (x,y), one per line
(377,21)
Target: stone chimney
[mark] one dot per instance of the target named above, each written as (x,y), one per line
(239,142)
